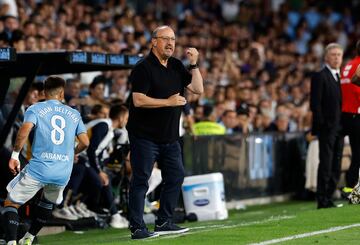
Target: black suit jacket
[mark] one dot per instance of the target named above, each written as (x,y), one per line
(325,101)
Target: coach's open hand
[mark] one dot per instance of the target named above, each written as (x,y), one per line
(193,55)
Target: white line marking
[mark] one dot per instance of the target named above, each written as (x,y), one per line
(201,229)
(314,233)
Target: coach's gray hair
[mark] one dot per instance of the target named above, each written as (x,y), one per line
(155,32)
(331,46)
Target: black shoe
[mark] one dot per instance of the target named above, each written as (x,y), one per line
(329,204)
(323,203)
(169,228)
(320,206)
(143,234)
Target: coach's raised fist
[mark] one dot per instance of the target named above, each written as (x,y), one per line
(193,55)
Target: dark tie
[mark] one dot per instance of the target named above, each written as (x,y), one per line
(337,77)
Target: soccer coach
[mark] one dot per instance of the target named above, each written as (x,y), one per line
(158,84)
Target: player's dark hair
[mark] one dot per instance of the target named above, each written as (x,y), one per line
(117,110)
(96,109)
(53,83)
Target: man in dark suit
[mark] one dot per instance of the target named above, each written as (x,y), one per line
(325,103)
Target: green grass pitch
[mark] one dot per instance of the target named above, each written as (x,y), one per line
(254,225)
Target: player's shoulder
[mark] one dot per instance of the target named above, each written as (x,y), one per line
(102,122)
(71,109)
(353,62)
(356,60)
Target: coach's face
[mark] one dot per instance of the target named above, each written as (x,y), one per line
(164,42)
(334,58)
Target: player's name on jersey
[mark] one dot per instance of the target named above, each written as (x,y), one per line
(55,156)
(63,110)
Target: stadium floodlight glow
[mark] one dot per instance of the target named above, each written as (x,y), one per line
(116,59)
(98,58)
(78,58)
(133,59)
(7,54)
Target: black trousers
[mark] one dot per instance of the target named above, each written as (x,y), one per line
(143,154)
(351,127)
(331,144)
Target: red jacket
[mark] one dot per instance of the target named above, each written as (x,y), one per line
(350,92)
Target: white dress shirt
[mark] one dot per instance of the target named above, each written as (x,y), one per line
(333,72)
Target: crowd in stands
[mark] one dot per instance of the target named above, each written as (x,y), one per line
(256,57)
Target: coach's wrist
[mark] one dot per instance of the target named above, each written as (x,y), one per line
(193,66)
(15,155)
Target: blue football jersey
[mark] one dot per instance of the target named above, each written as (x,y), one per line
(55,128)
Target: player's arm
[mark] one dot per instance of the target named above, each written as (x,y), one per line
(21,138)
(83,143)
(144,101)
(356,77)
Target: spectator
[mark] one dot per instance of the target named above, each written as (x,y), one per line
(208,125)
(8,8)
(281,124)
(244,123)
(229,121)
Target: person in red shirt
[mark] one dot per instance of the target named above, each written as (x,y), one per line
(350,88)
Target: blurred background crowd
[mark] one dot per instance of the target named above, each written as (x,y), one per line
(256,56)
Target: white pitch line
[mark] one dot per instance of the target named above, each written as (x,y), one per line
(314,233)
(201,229)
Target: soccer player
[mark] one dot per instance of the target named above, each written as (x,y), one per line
(101,133)
(55,127)
(351,116)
